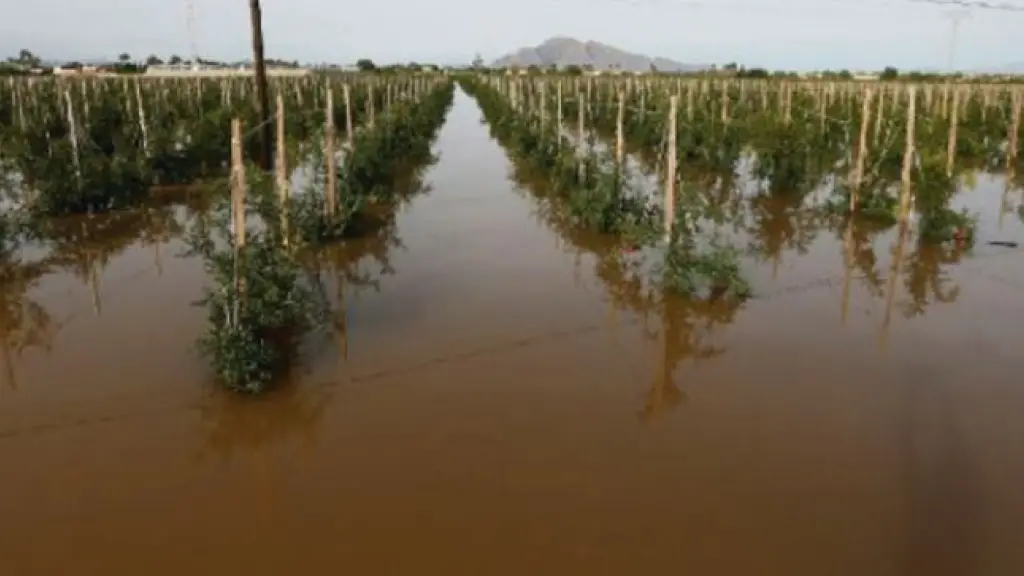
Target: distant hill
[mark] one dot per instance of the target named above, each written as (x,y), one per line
(1015,68)
(562,52)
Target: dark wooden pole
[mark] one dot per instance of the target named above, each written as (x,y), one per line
(260,69)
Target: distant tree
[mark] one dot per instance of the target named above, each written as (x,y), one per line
(889,73)
(27,58)
(573,70)
(153,60)
(752,73)
(588,67)
(365,65)
(533,69)
(124,57)
(731,66)
(845,75)
(175,60)
(654,69)
(478,62)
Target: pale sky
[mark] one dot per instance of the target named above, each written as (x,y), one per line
(793,34)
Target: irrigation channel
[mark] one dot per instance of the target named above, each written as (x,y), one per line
(501,395)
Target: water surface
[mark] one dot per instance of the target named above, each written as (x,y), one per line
(493,410)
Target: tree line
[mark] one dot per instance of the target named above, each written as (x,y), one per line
(26,62)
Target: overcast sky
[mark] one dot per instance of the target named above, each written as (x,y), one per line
(795,34)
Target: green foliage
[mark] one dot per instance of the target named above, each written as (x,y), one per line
(260,301)
(366,176)
(257,308)
(596,192)
(595,195)
(102,156)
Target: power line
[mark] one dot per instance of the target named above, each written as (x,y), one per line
(980,5)
(190,22)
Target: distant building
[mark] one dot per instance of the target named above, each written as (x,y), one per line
(77,71)
(189,70)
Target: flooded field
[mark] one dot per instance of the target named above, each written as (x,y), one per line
(503,402)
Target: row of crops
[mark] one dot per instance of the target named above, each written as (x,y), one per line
(90,145)
(88,165)
(705,175)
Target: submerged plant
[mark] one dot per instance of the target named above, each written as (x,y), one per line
(260,300)
(256,305)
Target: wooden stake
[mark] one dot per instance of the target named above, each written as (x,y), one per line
(373,119)
(581,146)
(620,141)
(349,136)
(954,125)
(725,103)
(281,169)
(689,102)
(879,114)
(908,154)
(238,184)
(559,111)
(142,120)
(1014,133)
(331,181)
(788,93)
(862,149)
(670,169)
(73,136)
(543,106)
(580,112)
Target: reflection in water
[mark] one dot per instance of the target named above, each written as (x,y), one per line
(687,326)
(687,332)
(778,223)
(927,280)
(894,275)
(23,322)
(82,246)
(232,424)
(859,256)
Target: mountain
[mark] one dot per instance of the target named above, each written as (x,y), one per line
(562,52)
(1015,68)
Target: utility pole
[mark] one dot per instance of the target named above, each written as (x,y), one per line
(190,22)
(260,73)
(956,18)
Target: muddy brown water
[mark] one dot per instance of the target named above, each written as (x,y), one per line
(497,412)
